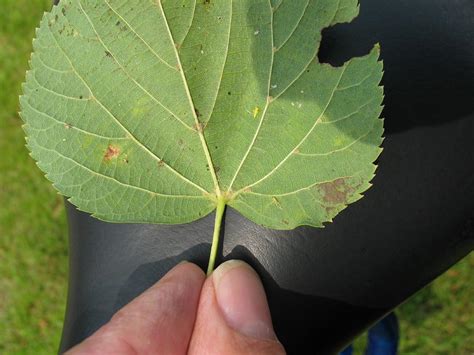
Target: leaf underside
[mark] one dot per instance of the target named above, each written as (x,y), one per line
(153,111)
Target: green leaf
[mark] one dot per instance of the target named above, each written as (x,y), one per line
(159,111)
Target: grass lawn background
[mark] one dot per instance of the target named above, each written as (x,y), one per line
(33,235)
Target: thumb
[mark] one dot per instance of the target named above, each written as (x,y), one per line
(233,315)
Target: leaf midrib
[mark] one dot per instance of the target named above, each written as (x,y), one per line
(193,110)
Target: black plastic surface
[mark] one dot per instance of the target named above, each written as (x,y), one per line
(327,285)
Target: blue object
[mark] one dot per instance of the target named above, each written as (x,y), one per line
(383,338)
(347,351)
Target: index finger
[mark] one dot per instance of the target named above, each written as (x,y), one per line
(160,320)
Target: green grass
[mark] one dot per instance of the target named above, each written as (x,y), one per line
(439,319)
(33,235)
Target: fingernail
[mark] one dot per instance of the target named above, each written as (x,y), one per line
(242,300)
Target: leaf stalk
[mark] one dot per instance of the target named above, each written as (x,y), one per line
(221,203)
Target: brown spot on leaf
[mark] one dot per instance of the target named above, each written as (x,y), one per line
(330,211)
(337,191)
(111,152)
(161,163)
(285,221)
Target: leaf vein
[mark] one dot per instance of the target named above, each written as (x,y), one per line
(127,73)
(140,37)
(336,150)
(294,28)
(38,57)
(72,127)
(225,63)
(40,85)
(304,138)
(350,114)
(264,114)
(356,84)
(303,188)
(120,123)
(192,20)
(118,181)
(205,148)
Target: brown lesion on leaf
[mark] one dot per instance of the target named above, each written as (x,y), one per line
(330,210)
(67,125)
(285,221)
(111,152)
(161,163)
(337,191)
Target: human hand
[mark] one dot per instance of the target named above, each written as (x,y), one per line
(184,312)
